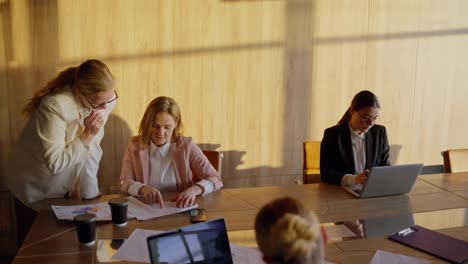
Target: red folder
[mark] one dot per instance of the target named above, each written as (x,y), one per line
(434,243)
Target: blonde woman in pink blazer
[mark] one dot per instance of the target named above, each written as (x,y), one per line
(160,159)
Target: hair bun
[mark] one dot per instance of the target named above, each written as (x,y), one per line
(296,237)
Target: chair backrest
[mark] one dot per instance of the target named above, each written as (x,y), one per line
(311,167)
(455,160)
(215,158)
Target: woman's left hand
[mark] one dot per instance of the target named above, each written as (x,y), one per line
(187,197)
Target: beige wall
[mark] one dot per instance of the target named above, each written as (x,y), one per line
(253,78)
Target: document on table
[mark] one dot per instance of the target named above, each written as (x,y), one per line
(384,257)
(101,210)
(136,209)
(143,211)
(135,249)
(246,255)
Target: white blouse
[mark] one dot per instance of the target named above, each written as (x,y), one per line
(162,173)
(359,154)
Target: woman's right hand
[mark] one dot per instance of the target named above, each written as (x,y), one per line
(151,195)
(92,123)
(362,177)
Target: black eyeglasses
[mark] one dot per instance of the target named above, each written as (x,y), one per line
(368,118)
(103,104)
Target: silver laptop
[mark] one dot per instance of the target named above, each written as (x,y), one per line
(387,180)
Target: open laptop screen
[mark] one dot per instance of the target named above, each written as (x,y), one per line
(388,180)
(205,242)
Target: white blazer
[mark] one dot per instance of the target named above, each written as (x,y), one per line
(49,159)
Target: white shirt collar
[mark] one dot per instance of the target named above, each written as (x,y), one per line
(163,150)
(355,135)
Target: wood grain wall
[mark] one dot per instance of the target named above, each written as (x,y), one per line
(254,79)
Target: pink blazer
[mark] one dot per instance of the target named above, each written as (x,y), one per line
(190,164)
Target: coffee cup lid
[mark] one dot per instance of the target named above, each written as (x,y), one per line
(119,201)
(85,218)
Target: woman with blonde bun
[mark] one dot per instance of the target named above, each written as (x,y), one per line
(287,232)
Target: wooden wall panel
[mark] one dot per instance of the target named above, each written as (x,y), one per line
(339,68)
(392,43)
(441,79)
(7,219)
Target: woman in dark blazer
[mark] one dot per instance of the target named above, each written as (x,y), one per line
(355,144)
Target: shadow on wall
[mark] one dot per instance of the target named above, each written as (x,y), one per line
(262,175)
(233,177)
(114,145)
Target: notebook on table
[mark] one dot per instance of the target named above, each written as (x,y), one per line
(434,243)
(206,242)
(387,180)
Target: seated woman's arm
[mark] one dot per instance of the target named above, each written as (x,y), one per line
(128,183)
(385,155)
(330,159)
(210,179)
(133,184)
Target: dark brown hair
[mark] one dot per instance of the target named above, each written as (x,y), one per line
(361,100)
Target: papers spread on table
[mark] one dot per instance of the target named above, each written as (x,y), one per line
(135,249)
(136,209)
(101,210)
(144,211)
(384,257)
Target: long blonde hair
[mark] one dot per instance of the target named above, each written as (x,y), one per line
(90,77)
(160,104)
(287,232)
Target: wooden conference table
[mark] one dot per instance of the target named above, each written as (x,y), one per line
(54,241)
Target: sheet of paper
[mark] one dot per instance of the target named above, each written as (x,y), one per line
(384,257)
(338,231)
(101,210)
(135,247)
(143,211)
(106,248)
(245,255)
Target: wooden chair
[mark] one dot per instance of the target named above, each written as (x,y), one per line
(311,167)
(215,158)
(455,160)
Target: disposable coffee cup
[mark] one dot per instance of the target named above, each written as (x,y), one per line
(119,210)
(85,227)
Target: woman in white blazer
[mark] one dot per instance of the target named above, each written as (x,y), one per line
(58,151)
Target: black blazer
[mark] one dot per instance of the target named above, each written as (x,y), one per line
(336,152)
